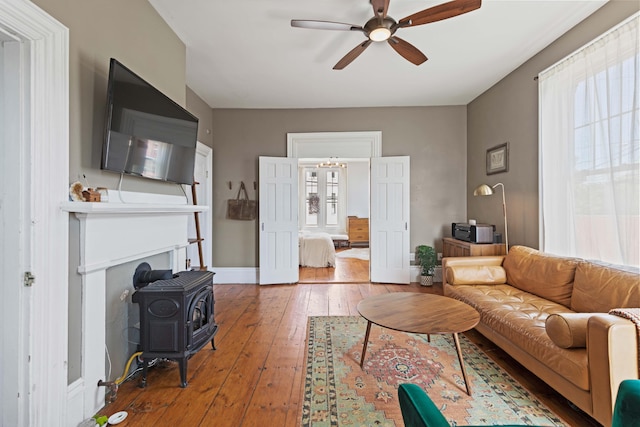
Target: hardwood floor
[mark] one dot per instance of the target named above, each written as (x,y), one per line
(347,270)
(255,377)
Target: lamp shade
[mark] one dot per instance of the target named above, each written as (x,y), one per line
(483,190)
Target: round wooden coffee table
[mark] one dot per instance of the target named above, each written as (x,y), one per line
(420,314)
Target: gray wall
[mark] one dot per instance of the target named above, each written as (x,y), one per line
(204,113)
(434,138)
(133,33)
(358,189)
(509,112)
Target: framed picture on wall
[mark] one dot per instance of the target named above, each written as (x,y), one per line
(498,159)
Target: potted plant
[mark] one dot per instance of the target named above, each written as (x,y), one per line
(427,260)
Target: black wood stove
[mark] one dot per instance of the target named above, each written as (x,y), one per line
(176,315)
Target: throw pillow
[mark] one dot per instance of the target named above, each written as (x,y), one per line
(476,275)
(568,330)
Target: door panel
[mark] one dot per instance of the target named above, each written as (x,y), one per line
(278,216)
(390,220)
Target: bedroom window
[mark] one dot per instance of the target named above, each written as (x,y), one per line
(322,197)
(590,150)
(332,197)
(311,197)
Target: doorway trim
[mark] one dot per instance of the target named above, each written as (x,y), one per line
(42,172)
(335,144)
(343,145)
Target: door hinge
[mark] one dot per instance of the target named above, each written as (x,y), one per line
(29,278)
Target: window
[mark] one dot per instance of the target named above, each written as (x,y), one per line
(323,202)
(590,150)
(333,190)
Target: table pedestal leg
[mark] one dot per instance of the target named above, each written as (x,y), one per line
(464,372)
(366,341)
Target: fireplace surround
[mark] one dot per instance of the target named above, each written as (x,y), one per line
(129,227)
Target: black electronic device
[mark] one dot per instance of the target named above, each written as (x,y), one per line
(146,133)
(474,233)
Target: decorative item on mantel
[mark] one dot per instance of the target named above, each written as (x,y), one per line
(77,193)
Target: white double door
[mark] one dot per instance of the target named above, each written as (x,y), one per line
(388,222)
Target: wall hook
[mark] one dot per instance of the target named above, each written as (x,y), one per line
(230,185)
(254,185)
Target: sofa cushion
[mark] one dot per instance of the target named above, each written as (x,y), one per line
(599,288)
(476,274)
(568,330)
(545,275)
(520,317)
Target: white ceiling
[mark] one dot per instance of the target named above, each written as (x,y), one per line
(245,54)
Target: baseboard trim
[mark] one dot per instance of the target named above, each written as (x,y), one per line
(251,275)
(236,275)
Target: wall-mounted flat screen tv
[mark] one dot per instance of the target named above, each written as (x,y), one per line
(146,133)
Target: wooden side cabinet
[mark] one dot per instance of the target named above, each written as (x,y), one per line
(358,229)
(454,247)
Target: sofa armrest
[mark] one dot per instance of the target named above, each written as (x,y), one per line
(469,261)
(612,348)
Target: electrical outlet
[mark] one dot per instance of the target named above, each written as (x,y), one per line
(124,295)
(439,256)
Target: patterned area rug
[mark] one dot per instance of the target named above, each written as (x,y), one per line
(338,393)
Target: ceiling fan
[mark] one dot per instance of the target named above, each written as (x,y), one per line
(382,27)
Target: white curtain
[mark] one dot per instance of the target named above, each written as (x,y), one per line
(590,150)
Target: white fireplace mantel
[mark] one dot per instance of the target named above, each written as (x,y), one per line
(113,233)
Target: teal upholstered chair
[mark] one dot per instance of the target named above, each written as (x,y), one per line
(626,411)
(419,411)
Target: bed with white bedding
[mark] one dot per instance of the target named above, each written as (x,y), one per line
(316,250)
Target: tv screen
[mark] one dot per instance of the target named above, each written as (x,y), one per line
(146,133)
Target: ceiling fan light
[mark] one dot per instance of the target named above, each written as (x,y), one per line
(380,34)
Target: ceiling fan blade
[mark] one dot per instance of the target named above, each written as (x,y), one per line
(325,25)
(353,54)
(440,12)
(380,7)
(407,50)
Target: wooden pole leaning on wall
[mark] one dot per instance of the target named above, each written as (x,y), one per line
(198,240)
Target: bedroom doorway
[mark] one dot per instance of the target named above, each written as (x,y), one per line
(333,197)
(389,179)
(389,205)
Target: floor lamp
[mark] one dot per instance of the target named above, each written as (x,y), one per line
(485,190)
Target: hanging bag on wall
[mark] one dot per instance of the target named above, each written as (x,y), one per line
(241,208)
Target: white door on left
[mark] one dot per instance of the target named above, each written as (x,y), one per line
(278,220)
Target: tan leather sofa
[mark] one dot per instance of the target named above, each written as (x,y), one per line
(550,314)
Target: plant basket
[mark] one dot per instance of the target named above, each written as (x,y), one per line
(426,280)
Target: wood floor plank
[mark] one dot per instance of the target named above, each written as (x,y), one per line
(256,375)
(347,270)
